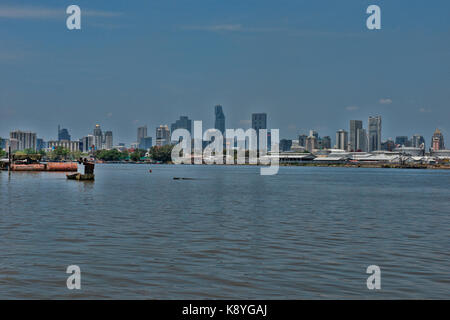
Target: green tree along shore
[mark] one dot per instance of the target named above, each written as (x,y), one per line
(156,153)
(59,153)
(162,154)
(111,155)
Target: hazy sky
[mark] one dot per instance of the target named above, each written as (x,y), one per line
(308,64)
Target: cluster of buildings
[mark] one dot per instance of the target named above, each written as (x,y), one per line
(358,139)
(364,146)
(26,140)
(356,143)
(163,133)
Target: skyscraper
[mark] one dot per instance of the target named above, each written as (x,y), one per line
(361,140)
(311,143)
(355,125)
(285,145)
(302,140)
(326,142)
(374,133)
(25,140)
(183,123)
(63,134)
(220,119)
(108,140)
(141,133)
(87,143)
(437,141)
(342,139)
(162,135)
(98,137)
(146,143)
(259,121)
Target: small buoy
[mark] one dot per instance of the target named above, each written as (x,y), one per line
(150,170)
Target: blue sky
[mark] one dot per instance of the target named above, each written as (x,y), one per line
(308,64)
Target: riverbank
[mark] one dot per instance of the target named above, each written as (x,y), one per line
(314,164)
(370,165)
(299,164)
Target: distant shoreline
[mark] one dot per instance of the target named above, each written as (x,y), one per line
(308,164)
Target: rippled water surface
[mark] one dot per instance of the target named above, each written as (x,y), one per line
(230,233)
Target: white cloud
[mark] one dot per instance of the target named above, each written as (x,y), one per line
(385,101)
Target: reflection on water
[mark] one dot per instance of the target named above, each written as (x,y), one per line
(231,233)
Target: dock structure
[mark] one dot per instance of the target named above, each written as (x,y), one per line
(32,162)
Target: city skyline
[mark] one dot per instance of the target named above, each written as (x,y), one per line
(305,73)
(357,139)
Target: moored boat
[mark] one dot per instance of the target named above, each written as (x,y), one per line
(81,177)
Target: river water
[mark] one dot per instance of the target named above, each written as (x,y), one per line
(306,233)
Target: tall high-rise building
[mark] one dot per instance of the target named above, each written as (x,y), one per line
(374,133)
(361,140)
(437,141)
(141,133)
(418,141)
(311,143)
(285,145)
(182,123)
(220,119)
(302,140)
(86,144)
(355,125)
(259,121)
(146,143)
(342,139)
(63,134)
(98,137)
(108,145)
(25,140)
(325,142)
(163,135)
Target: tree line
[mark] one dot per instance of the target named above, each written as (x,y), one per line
(156,153)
